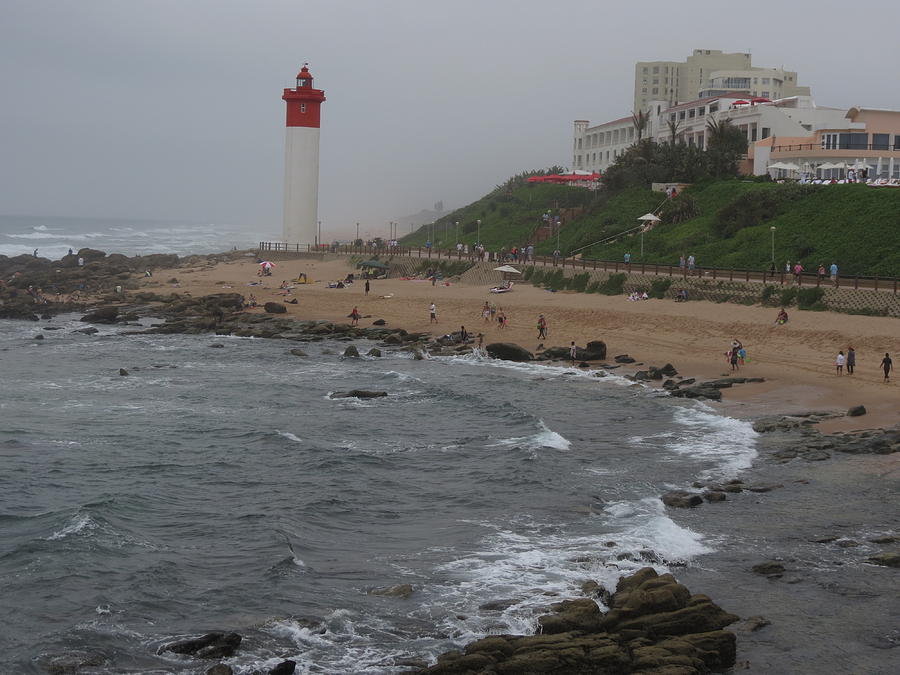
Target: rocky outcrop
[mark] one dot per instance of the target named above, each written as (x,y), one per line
(209,646)
(681,499)
(654,626)
(351,352)
(108,314)
(401,591)
(886,559)
(508,351)
(274,308)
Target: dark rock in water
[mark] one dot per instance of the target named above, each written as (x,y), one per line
(654,626)
(358,393)
(681,499)
(623,358)
(825,540)
(374,352)
(52,327)
(714,496)
(885,559)
(401,591)
(643,376)
(885,540)
(209,646)
(507,351)
(351,352)
(670,385)
(298,352)
(393,339)
(769,568)
(217,345)
(75,662)
(498,605)
(220,669)
(108,314)
(594,590)
(856,411)
(699,391)
(274,308)
(755,623)
(847,543)
(284,668)
(379,322)
(38,337)
(123,372)
(765,488)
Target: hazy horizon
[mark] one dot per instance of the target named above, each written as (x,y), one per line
(172,110)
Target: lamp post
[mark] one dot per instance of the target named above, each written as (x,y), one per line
(457,231)
(558,225)
(319,234)
(772,230)
(477,232)
(357,235)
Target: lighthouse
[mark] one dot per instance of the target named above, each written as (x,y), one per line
(301,160)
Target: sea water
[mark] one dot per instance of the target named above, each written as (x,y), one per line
(223,489)
(54,236)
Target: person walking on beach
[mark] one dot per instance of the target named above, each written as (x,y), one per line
(851,360)
(888,366)
(733,357)
(486,311)
(367,286)
(433,311)
(839,363)
(573,353)
(542,327)
(354,317)
(501,318)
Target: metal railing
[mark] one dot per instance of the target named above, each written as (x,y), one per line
(781,278)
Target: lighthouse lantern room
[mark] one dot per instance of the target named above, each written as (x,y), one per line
(301,160)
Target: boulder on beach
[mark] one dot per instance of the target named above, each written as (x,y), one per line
(856,411)
(379,322)
(508,351)
(623,358)
(287,667)
(209,646)
(274,308)
(351,352)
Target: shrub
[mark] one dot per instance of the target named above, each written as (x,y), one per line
(555,279)
(659,286)
(787,296)
(527,274)
(768,292)
(593,287)
(614,285)
(579,282)
(680,209)
(537,278)
(809,298)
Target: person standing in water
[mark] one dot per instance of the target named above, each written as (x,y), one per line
(573,353)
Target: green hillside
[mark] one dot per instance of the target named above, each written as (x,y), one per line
(727,224)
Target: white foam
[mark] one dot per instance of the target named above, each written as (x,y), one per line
(288,435)
(476,358)
(545,438)
(82,523)
(729,442)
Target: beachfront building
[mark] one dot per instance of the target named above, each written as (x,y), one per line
(594,148)
(710,72)
(864,140)
(301,160)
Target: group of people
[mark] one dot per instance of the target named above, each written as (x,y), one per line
(796,269)
(848,361)
(689,262)
(736,354)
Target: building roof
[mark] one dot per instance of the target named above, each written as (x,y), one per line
(618,121)
(708,99)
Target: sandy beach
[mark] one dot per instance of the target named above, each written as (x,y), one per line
(796,359)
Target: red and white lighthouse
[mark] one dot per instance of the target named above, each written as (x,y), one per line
(301,160)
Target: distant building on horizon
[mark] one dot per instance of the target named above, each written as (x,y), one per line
(710,72)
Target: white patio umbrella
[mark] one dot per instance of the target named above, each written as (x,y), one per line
(832,165)
(649,217)
(507,268)
(777,165)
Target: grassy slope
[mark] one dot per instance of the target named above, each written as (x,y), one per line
(856,226)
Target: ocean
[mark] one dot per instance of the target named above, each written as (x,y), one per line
(223,489)
(54,236)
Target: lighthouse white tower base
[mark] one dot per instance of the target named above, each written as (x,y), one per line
(301,185)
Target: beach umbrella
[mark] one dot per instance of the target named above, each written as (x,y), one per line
(650,218)
(507,268)
(267,264)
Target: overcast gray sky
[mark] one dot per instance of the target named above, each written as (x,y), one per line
(172,109)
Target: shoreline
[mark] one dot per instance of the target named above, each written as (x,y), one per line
(795,360)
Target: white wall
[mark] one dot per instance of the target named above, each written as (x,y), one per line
(301,185)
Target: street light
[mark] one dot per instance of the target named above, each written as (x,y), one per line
(319,235)
(772,230)
(357,235)
(558,225)
(457,231)
(477,232)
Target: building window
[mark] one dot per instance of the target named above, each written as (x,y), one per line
(713,107)
(655,80)
(765,80)
(672,116)
(644,90)
(579,144)
(881,141)
(692,113)
(766,132)
(829,141)
(656,70)
(765,94)
(854,141)
(655,90)
(645,71)
(897,146)
(700,141)
(681,115)
(753,134)
(303,107)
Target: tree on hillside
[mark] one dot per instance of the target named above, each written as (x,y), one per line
(640,119)
(725,145)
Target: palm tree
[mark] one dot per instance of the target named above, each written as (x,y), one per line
(640,119)
(673,129)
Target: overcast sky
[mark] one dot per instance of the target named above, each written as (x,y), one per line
(172,109)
